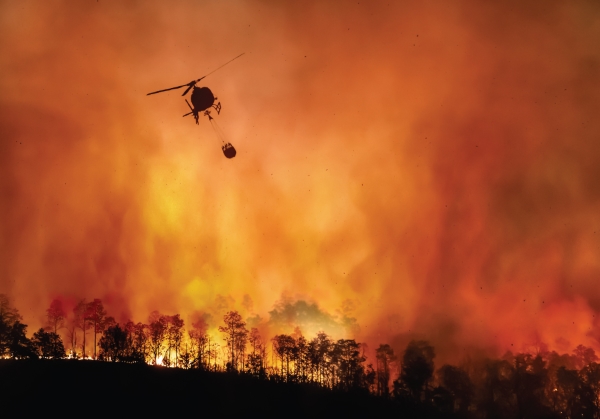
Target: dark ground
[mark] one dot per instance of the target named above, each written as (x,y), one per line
(102,389)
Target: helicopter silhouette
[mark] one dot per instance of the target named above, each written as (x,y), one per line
(203,100)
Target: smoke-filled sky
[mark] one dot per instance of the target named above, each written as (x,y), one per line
(404,169)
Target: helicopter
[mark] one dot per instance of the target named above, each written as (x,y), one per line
(203,100)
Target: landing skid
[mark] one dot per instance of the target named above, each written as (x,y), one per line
(193,112)
(216,107)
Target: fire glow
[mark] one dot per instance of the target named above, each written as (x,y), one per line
(426,171)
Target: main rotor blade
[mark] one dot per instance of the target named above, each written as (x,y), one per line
(218,68)
(192,83)
(189,87)
(170,88)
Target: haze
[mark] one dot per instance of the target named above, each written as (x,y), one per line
(411,169)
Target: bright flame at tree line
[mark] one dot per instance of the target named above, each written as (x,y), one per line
(545,381)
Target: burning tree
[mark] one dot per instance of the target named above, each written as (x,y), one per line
(174,335)
(157,332)
(236,336)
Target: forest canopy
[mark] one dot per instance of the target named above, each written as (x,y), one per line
(541,384)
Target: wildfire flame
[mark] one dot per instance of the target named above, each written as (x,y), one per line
(424,171)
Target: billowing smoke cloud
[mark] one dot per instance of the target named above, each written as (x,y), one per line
(309,319)
(428,169)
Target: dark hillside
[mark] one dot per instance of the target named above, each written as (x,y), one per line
(32,387)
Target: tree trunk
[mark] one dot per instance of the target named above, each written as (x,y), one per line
(94,340)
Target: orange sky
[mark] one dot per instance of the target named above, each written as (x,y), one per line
(421,166)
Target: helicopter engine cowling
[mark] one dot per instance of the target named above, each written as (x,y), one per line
(202,98)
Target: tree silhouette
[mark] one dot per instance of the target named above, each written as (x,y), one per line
(417,368)
(114,344)
(370,378)
(137,341)
(109,321)
(174,335)
(94,315)
(301,358)
(255,363)
(9,316)
(186,358)
(529,380)
(577,392)
(458,384)
(213,353)
(319,349)
(590,390)
(13,338)
(157,330)
(201,344)
(350,362)
(19,346)
(540,385)
(8,313)
(80,321)
(496,398)
(56,315)
(284,347)
(48,345)
(584,356)
(236,336)
(385,357)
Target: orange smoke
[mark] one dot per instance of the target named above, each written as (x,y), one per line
(424,169)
